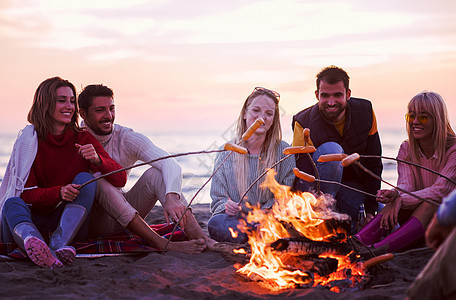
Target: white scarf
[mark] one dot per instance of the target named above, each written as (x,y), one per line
(19,165)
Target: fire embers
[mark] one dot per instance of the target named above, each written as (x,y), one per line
(300,242)
(304,254)
(321,259)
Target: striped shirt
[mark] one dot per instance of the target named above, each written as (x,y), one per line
(424,183)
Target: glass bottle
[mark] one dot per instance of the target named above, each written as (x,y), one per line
(361,217)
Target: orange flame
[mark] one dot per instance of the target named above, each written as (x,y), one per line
(233,233)
(307,215)
(239,251)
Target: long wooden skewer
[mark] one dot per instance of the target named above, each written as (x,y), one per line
(307,140)
(339,157)
(412,164)
(396,187)
(191,201)
(288,152)
(356,156)
(353,159)
(316,172)
(310,178)
(346,186)
(262,174)
(147,163)
(233,148)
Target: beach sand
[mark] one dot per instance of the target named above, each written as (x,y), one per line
(179,276)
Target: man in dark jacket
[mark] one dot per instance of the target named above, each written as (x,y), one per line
(339,123)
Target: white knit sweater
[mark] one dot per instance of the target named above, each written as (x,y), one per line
(127,146)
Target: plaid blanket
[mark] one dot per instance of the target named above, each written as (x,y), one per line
(119,242)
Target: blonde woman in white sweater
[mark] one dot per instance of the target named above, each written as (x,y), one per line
(265,147)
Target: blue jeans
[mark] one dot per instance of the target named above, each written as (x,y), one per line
(331,170)
(218,228)
(16,211)
(347,200)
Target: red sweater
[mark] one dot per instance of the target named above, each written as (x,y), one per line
(57,163)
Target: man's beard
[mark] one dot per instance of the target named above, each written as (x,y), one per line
(332,116)
(101,131)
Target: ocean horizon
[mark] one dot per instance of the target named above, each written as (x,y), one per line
(196,169)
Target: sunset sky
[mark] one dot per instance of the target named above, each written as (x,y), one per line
(182,65)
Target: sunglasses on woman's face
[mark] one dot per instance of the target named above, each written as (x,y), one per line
(422,118)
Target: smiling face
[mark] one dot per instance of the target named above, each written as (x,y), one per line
(419,130)
(64,108)
(332,100)
(263,107)
(100,115)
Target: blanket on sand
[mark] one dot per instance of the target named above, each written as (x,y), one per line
(118,242)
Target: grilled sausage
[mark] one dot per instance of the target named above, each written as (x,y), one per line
(299,149)
(248,133)
(232,147)
(303,176)
(350,159)
(332,157)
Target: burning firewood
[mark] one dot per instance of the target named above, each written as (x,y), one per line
(299,242)
(303,246)
(323,266)
(306,280)
(336,229)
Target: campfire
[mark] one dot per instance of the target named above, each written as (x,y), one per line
(299,242)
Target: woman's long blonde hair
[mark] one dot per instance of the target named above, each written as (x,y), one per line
(443,135)
(268,154)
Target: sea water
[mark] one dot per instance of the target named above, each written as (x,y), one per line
(196,169)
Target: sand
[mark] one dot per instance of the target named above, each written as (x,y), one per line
(179,276)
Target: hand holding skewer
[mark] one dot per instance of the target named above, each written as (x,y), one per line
(227,147)
(232,208)
(353,159)
(387,196)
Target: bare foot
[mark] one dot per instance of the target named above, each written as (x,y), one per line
(210,243)
(188,247)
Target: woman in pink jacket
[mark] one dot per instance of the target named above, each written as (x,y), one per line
(431,143)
